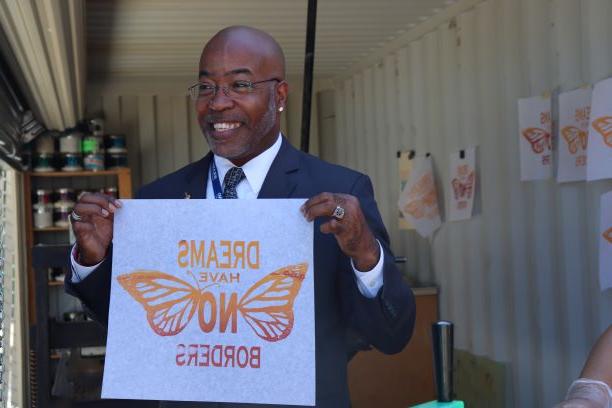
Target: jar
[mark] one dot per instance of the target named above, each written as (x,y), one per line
(43,162)
(62,214)
(70,142)
(94,162)
(116,160)
(45,144)
(72,162)
(42,196)
(92,144)
(116,144)
(43,215)
(65,196)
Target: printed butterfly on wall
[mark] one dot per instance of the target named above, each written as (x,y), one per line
(423,199)
(604,126)
(608,235)
(539,139)
(463,187)
(575,138)
(171,302)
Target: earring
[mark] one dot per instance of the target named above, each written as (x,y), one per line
(281,109)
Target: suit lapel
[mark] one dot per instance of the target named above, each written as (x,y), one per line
(282,177)
(197,179)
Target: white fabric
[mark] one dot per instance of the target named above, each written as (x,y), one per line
(48,41)
(369,282)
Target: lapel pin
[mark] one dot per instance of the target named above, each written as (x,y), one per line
(187,195)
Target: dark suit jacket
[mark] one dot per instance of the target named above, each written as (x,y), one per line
(385,322)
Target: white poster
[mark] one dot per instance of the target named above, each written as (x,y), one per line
(462,184)
(574,111)
(404,162)
(419,199)
(605,242)
(535,143)
(212,300)
(599,164)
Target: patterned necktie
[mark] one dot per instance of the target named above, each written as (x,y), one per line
(232,178)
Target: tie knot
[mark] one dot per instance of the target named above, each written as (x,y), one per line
(232,178)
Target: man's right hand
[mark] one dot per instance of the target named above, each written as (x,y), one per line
(94,229)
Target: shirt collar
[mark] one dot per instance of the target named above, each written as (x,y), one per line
(255,169)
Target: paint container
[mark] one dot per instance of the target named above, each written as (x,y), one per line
(92,144)
(96,126)
(72,162)
(116,144)
(116,160)
(94,162)
(43,162)
(62,214)
(65,196)
(45,144)
(70,142)
(111,191)
(43,216)
(42,196)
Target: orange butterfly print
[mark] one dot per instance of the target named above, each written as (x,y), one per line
(575,138)
(463,188)
(538,138)
(171,302)
(604,126)
(423,198)
(608,235)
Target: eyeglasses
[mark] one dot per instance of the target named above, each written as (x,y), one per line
(237,89)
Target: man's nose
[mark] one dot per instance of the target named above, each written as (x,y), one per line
(220,101)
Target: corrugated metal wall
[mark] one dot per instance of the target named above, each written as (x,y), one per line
(520,278)
(160,124)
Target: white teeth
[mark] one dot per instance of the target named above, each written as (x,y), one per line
(226,126)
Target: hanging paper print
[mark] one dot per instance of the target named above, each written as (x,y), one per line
(599,165)
(535,138)
(462,180)
(419,200)
(574,112)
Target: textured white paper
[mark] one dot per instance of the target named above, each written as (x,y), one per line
(419,199)
(605,242)
(574,111)
(535,138)
(599,165)
(462,185)
(157,235)
(404,168)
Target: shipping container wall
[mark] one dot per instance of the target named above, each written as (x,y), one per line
(159,121)
(520,279)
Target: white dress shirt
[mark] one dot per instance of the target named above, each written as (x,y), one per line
(369,282)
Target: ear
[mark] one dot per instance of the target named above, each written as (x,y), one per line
(282,90)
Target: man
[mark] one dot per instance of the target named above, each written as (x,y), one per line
(240,95)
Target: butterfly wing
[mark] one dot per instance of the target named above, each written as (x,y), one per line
(604,126)
(415,208)
(457,188)
(538,138)
(268,305)
(170,302)
(571,135)
(608,235)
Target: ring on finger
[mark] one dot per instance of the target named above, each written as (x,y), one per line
(338,213)
(75,217)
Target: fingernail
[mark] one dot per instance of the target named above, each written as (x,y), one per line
(105,212)
(111,207)
(118,203)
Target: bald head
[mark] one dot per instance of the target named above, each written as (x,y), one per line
(258,45)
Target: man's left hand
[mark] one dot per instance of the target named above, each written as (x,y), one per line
(351,231)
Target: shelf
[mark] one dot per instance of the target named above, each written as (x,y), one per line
(51,229)
(77,173)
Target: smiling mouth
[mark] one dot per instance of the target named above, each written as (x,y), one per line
(225,126)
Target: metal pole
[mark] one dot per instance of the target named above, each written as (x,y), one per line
(308,66)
